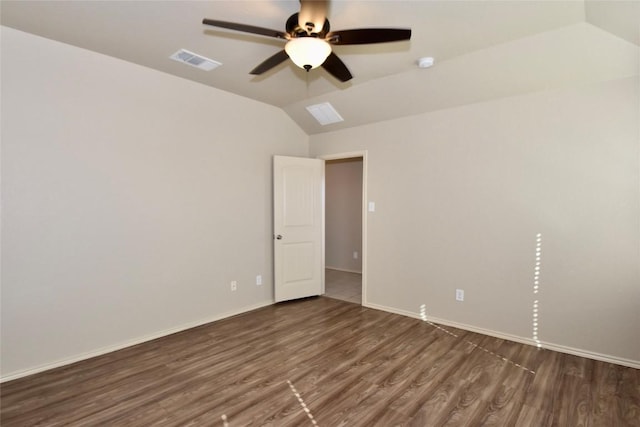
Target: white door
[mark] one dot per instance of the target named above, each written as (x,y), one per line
(298,203)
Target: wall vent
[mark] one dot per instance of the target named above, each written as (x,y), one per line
(195,60)
(324,113)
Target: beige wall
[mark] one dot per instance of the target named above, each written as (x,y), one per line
(462,193)
(130,200)
(343,214)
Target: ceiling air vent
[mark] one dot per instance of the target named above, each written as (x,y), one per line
(324,113)
(195,60)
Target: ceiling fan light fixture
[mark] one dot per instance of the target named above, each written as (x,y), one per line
(307,52)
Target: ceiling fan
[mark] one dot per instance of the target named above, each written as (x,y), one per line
(309,39)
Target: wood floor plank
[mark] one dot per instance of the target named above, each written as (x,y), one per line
(425,389)
(250,377)
(389,384)
(348,365)
(469,388)
(170,351)
(576,390)
(533,417)
(502,405)
(240,378)
(543,391)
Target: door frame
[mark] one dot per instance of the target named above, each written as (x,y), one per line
(351,155)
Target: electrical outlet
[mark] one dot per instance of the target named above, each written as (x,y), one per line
(459,295)
(258,280)
(234,285)
(355,254)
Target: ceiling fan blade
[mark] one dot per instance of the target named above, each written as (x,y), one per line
(368,35)
(336,68)
(270,62)
(313,13)
(245,28)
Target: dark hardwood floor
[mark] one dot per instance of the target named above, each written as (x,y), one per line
(326,362)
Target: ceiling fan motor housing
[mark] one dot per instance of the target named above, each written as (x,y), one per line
(294,29)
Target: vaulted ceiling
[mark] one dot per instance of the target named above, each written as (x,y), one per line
(483,49)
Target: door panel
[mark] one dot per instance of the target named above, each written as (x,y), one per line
(300,259)
(298,202)
(298,227)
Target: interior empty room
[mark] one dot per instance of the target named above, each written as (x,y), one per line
(436,223)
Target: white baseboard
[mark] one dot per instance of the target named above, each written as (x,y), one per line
(135,341)
(342,269)
(496,334)
(546,345)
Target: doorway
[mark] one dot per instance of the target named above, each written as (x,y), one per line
(345,227)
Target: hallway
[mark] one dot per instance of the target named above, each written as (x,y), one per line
(343,285)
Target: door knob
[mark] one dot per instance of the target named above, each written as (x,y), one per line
(279,237)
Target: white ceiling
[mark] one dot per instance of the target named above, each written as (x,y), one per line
(483,49)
